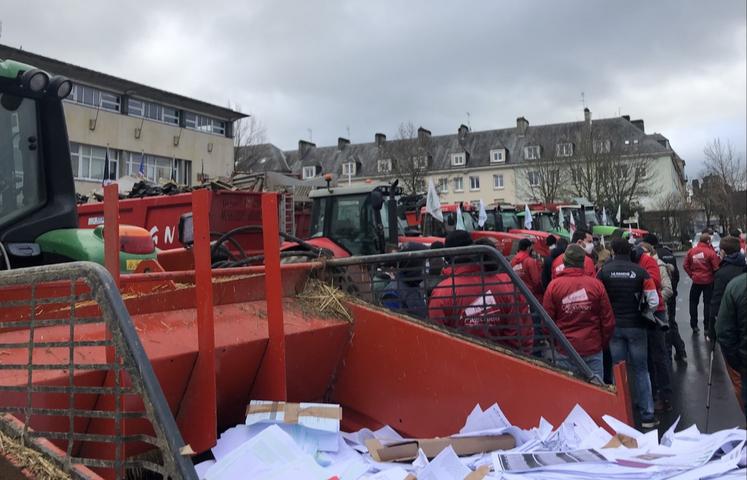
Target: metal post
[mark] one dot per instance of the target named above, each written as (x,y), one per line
(199,410)
(111,230)
(271,380)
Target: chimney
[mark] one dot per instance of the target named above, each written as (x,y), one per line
(587,116)
(423,134)
(462,131)
(638,124)
(380,138)
(626,117)
(342,143)
(304,147)
(522,124)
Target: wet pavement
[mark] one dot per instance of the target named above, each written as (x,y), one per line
(690,381)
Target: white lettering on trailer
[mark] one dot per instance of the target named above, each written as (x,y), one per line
(95,221)
(154,234)
(168,235)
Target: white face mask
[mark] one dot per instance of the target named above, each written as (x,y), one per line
(588,248)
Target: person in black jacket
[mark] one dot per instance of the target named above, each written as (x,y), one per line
(672,337)
(732,264)
(557,251)
(628,285)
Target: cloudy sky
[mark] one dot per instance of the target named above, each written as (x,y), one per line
(361,67)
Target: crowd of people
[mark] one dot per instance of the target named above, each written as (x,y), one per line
(612,305)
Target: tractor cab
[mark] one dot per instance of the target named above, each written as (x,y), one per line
(355,220)
(38,216)
(434,228)
(501,218)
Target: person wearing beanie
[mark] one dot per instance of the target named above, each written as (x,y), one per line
(585,241)
(732,264)
(528,268)
(580,307)
(701,262)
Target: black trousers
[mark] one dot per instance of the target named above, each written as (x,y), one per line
(695,291)
(659,365)
(672,336)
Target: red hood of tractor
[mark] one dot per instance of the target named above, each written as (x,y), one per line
(320,242)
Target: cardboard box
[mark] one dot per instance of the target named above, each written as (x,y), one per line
(318,416)
(407,450)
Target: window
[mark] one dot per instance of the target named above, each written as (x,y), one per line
(308,172)
(158,169)
(88,162)
(420,162)
(564,150)
(497,182)
(458,159)
(93,97)
(195,121)
(627,142)
(152,111)
(348,169)
(532,152)
(601,146)
(498,156)
(459,184)
(385,165)
(475,204)
(534,178)
(474,184)
(443,185)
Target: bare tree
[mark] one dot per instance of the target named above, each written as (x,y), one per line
(543,175)
(724,173)
(247,132)
(410,156)
(671,216)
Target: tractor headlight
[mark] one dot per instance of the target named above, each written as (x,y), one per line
(35,80)
(60,87)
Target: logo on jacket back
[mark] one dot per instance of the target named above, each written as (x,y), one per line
(575,297)
(518,267)
(482,310)
(630,274)
(699,256)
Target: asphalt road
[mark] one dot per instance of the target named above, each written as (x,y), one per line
(690,381)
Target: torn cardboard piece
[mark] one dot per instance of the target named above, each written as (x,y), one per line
(408,449)
(318,416)
(620,440)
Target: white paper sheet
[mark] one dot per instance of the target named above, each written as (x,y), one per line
(446,466)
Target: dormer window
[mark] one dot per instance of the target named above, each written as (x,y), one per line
(348,169)
(602,146)
(384,165)
(308,172)
(498,155)
(420,162)
(458,159)
(564,150)
(532,152)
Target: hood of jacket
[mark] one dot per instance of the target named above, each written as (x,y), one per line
(736,259)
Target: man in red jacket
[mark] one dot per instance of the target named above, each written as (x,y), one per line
(580,307)
(480,303)
(700,264)
(583,239)
(528,268)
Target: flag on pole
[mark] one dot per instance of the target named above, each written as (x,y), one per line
(631,240)
(459,219)
(482,216)
(432,203)
(528,220)
(107,176)
(141,169)
(572,225)
(618,217)
(604,216)
(561,220)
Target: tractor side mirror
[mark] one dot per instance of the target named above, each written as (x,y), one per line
(377,200)
(186,229)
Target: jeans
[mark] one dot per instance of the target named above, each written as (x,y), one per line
(672,336)
(631,344)
(659,364)
(594,361)
(695,291)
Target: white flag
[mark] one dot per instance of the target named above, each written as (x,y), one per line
(631,240)
(460,219)
(482,216)
(604,216)
(561,220)
(527,217)
(432,203)
(618,217)
(572,224)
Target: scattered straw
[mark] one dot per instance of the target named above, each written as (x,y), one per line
(27,458)
(322,298)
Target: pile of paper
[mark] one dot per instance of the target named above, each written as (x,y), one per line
(303,441)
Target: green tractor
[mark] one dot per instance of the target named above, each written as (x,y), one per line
(38,215)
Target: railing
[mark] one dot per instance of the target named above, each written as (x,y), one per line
(470,290)
(77,374)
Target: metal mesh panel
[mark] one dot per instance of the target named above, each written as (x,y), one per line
(469,290)
(73,370)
